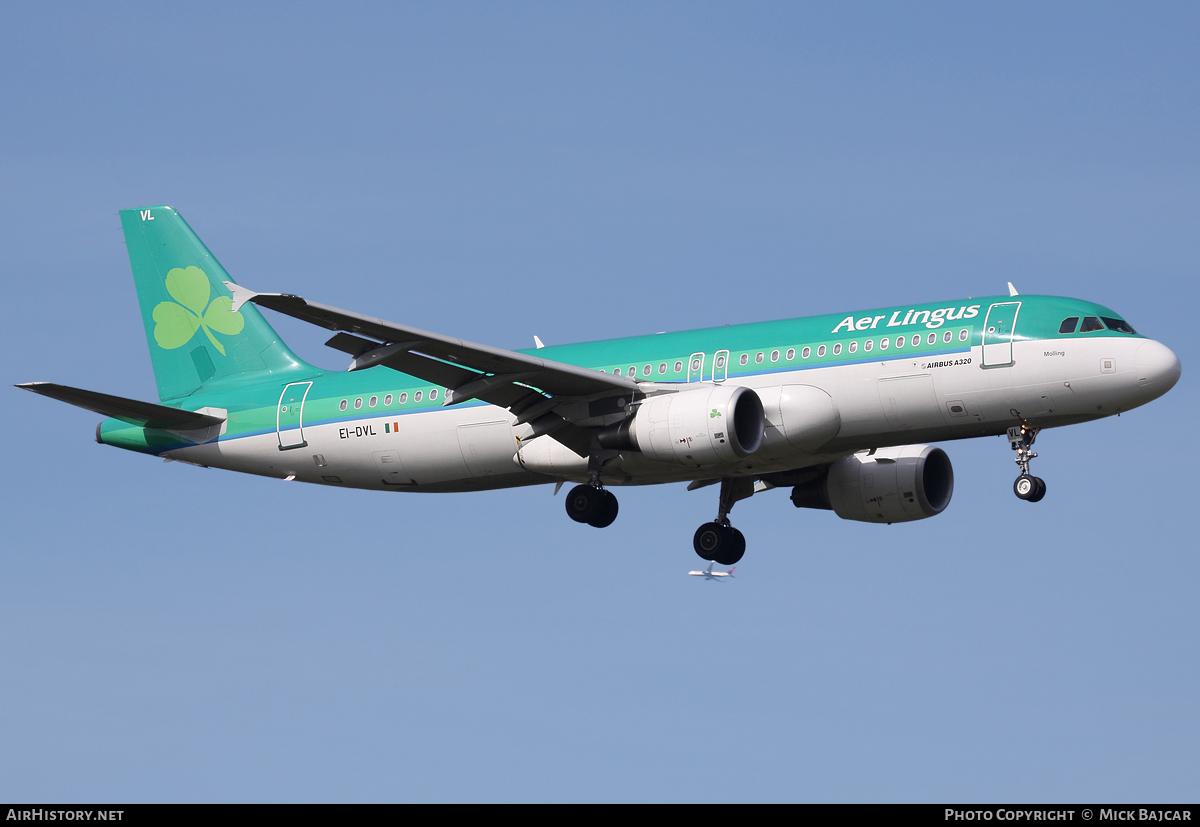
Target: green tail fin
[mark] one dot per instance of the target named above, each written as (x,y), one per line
(195,337)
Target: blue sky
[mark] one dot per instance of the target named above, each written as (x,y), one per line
(582,171)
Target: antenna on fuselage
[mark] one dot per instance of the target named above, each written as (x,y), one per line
(1012,291)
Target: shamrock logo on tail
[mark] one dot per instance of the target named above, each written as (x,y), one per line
(176,324)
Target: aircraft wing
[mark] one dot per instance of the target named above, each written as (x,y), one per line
(529,386)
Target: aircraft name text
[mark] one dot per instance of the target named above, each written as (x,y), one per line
(930,318)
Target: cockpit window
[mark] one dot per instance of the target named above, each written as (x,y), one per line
(1119,325)
(1069,325)
(1090,323)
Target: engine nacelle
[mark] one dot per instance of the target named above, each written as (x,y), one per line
(892,485)
(708,426)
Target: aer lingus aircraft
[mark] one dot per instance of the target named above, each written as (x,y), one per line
(837,407)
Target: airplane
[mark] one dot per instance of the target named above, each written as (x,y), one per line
(709,574)
(839,408)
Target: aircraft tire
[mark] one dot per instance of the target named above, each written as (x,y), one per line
(1040,492)
(737,548)
(1026,487)
(608,511)
(585,503)
(711,540)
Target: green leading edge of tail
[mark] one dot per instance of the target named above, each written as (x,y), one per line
(195,337)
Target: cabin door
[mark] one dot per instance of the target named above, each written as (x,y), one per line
(998,329)
(289,417)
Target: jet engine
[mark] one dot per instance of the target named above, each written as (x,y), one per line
(889,485)
(706,426)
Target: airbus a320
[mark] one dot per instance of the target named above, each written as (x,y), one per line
(836,408)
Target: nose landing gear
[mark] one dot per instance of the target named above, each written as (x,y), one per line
(719,541)
(1027,487)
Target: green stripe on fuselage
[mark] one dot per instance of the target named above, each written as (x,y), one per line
(252,407)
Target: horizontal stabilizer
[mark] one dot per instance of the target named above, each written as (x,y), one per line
(144,414)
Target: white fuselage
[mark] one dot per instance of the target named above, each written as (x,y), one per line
(892,401)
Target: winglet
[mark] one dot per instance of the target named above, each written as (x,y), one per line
(1012,291)
(241,295)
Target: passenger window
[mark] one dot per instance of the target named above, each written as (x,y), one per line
(632,371)
(821,350)
(646,370)
(433,394)
(417,396)
(868,344)
(662,368)
(1117,324)
(837,348)
(883,343)
(1069,325)
(962,335)
(774,355)
(1090,323)
(744,358)
(758,358)
(804,354)
(947,336)
(899,341)
(853,347)
(403,398)
(387,400)
(342,405)
(679,366)
(791,354)
(916,339)
(373,402)
(931,338)
(358,403)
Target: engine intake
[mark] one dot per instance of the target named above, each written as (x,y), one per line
(892,485)
(706,426)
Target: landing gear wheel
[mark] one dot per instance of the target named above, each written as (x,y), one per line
(709,540)
(719,543)
(736,548)
(585,504)
(1041,490)
(1026,487)
(608,511)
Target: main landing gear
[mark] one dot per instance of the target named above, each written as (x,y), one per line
(1027,487)
(591,504)
(719,541)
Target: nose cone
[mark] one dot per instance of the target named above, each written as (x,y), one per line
(1158,369)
